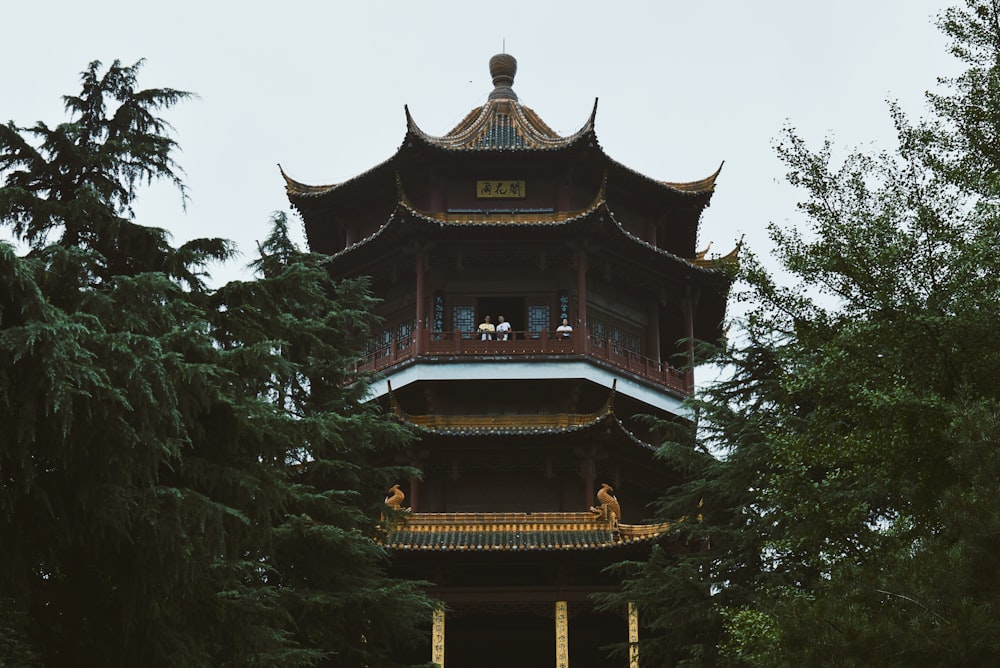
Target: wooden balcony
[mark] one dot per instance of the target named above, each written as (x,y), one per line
(540,346)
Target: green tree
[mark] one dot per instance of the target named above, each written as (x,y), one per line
(852,457)
(165,444)
(324,565)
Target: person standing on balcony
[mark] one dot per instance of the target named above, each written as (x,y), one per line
(486,329)
(565,330)
(503,329)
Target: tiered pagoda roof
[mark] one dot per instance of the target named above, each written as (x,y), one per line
(503,126)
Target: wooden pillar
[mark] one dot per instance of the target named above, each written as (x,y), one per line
(690,300)
(653,331)
(414,494)
(437,638)
(421,270)
(581,289)
(562,635)
(633,635)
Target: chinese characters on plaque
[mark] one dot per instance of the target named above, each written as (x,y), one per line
(499,189)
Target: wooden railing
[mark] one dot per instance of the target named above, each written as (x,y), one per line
(578,343)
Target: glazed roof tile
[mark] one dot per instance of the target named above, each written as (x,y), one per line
(517,532)
(501,125)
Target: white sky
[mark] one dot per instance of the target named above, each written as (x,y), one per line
(320,87)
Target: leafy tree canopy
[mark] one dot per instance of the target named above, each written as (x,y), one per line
(848,465)
(185,474)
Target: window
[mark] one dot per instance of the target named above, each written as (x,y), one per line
(617,339)
(599,327)
(379,344)
(538,320)
(463,319)
(403,333)
(632,342)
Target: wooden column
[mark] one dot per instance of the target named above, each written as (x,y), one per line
(562,635)
(420,261)
(414,494)
(437,638)
(581,289)
(633,635)
(653,331)
(690,300)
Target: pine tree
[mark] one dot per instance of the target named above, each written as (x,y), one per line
(168,448)
(327,567)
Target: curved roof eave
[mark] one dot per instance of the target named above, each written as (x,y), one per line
(371,238)
(527,131)
(701,187)
(502,124)
(704,266)
(297,191)
(599,205)
(594,424)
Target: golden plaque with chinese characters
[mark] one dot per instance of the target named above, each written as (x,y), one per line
(499,189)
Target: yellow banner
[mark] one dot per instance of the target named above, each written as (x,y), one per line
(499,189)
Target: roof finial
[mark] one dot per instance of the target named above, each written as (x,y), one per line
(503,67)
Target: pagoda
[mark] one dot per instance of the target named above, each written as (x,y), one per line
(535,473)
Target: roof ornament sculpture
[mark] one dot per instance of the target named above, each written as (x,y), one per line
(395,498)
(606,497)
(503,67)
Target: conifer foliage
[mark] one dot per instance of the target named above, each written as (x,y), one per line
(849,465)
(184,476)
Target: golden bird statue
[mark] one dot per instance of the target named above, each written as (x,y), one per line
(395,498)
(606,497)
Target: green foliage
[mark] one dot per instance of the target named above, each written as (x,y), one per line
(848,466)
(185,476)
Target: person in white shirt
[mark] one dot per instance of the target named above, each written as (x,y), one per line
(565,330)
(503,329)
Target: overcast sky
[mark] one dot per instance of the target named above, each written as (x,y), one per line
(320,87)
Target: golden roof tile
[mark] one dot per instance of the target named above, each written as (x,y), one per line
(516,532)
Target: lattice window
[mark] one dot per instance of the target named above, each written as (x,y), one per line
(379,344)
(599,328)
(538,319)
(617,340)
(633,342)
(463,319)
(403,333)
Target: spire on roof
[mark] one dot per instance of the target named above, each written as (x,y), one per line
(503,67)
(503,123)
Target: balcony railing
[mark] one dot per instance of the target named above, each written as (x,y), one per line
(528,345)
